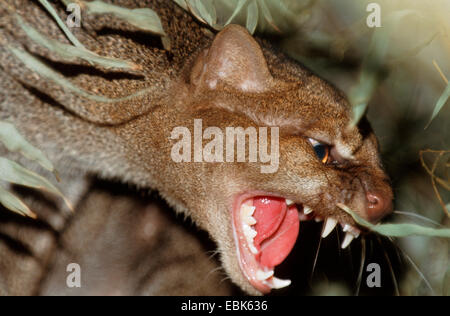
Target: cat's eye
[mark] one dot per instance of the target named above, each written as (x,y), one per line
(322,150)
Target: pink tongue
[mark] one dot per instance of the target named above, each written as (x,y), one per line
(277,229)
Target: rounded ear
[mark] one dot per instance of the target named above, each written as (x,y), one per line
(234,58)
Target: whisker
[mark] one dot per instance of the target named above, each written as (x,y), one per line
(399,257)
(418,216)
(352,268)
(214,253)
(213,271)
(394,279)
(417,270)
(361,268)
(339,242)
(315,259)
(224,279)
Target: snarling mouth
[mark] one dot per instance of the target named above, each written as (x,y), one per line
(266,228)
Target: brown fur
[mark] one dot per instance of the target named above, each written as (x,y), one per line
(233,81)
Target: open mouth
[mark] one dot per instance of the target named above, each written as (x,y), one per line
(265,229)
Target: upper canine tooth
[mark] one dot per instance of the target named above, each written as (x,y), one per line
(307,210)
(330,223)
(289,202)
(347,240)
(279,283)
(261,275)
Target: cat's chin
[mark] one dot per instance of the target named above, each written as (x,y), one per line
(265,228)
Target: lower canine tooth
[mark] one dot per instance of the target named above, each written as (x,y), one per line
(307,210)
(261,275)
(347,240)
(352,230)
(330,224)
(279,283)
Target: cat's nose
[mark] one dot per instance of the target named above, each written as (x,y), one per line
(378,205)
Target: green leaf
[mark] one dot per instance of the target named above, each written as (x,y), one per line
(61,24)
(70,52)
(207,11)
(252,16)
(440,104)
(12,172)
(267,15)
(13,203)
(143,18)
(14,142)
(36,65)
(362,92)
(182,3)
(236,11)
(397,230)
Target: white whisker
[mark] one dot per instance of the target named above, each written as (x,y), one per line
(423,218)
(361,268)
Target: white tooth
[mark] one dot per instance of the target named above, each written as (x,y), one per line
(318,219)
(352,230)
(246,214)
(252,248)
(247,210)
(330,223)
(307,210)
(249,220)
(289,202)
(279,283)
(347,240)
(249,232)
(261,275)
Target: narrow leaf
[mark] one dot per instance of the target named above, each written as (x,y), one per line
(267,15)
(207,11)
(181,3)
(61,24)
(143,18)
(397,230)
(15,142)
(70,52)
(36,65)
(236,11)
(191,4)
(440,104)
(12,172)
(13,203)
(252,16)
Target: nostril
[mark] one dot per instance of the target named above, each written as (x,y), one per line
(373,199)
(377,205)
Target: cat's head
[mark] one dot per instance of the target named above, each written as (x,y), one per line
(253,209)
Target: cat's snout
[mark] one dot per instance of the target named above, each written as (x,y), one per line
(378,205)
